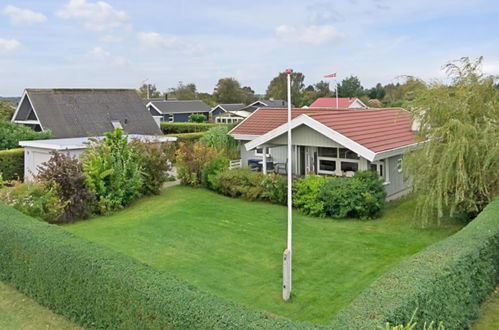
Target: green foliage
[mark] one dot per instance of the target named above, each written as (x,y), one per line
(362,196)
(114,171)
(188,137)
(152,93)
(455,171)
(34,199)
(103,289)
(12,133)
(239,182)
(210,171)
(446,282)
(412,324)
(191,159)
(184,92)
(277,88)
(7,110)
(12,164)
(306,195)
(228,90)
(175,128)
(64,175)
(275,188)
(350,87)
(217,137)
(156,160)
(197,118)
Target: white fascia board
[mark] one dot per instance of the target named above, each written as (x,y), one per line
(396,151)
(25,95)
(18,106)
(318,127)
(27,122)
(156,108)
(218,106)
(244,137)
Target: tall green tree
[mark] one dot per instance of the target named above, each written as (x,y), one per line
(184,92)
(7,110)
(228,90)
(456,170)
(377,92)
(248,95)
(153,91)
(322,89)
(350,87)
(277,88)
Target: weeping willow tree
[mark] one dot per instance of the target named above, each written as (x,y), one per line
(457,170)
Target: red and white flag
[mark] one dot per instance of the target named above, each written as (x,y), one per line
(332,75)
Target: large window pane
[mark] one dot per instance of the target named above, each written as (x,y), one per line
(327,165)
(348,154)
(349,166)
(328,152)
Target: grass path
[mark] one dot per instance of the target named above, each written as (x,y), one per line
(490,313)
(233,248)
(18,311)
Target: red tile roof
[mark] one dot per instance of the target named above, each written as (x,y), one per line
(377,130)
(330,102)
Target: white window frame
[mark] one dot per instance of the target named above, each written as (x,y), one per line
(319,171)
(400,164)
(170,118)
(260,154)
(338,161)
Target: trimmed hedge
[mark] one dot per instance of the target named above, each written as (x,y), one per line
(100,288)
(445,282)
(188,137)
(12,164)
(175,128)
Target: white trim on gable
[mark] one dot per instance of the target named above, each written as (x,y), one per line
(155,107)
(29,122)
(218,106)
(361,104)
(317,126)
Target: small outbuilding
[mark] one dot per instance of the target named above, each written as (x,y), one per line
(38,152)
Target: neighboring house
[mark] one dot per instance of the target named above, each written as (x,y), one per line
(343,102)
(178,110)
(330,142)
(72,113)
(38,152)
(233,113)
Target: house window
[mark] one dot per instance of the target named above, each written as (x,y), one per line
(327,166)
(116,124)
(349,166)
(399,165)
(259,152)
(170,118)
(347,154)
(328,152)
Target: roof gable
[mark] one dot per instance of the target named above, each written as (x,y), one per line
(180,106)
(343,102)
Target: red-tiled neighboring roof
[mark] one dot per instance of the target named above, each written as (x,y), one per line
(266,119)
(377,130)
(330,102)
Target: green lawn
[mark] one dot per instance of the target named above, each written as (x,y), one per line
(489,318)
(233,248)
(18,311)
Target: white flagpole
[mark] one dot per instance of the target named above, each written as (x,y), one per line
(336,83)
(286,287)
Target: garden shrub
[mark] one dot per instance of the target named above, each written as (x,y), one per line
(34,199)
(175,128)
(210,171)
(191,160)
(64,174)
(361,196)
(446,282)
(12,164)
(113,170)
(103,289)
(239,182)
(12,133)
(188,137)
(156,160)
(218,137)
(306,195)
(197,118)
(275,188)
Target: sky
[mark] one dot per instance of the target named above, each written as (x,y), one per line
(121,44)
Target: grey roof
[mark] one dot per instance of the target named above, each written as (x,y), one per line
(180,106)
(90,112)
(274,103)
(230,106)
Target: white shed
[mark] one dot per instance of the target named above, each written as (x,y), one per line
(38,151)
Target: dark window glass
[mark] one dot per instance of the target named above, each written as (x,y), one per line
(348,154)
(374,167)
(327,165)
(347,166)
(328,152)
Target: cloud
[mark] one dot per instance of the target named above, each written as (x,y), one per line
(98,54)
(313,34)
(172,43)
(96,16)
(322,12)
(9,45)
(19,16)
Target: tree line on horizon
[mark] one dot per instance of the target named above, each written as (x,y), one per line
(229,90)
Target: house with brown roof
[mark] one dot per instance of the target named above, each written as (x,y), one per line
(341,102)
(329,141)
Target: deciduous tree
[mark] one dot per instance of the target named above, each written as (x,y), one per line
(277,88)
(228,90)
